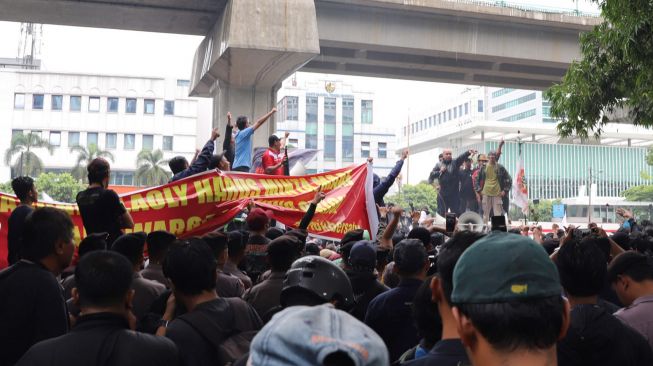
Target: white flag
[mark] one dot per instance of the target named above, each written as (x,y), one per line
(519,188)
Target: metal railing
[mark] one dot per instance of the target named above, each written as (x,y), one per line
(533,8)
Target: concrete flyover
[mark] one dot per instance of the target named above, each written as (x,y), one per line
(250,46)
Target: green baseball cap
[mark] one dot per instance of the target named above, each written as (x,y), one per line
(502,267)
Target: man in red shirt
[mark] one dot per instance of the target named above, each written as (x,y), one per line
(273,159)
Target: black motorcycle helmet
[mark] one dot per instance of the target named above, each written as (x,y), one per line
(313,280)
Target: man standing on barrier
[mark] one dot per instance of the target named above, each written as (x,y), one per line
(447,174)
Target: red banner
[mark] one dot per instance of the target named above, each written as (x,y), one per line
(204,202)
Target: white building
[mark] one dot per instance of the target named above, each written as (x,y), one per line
(555,167)
(325,112)
(121,114)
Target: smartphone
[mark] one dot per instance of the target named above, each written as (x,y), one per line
(499,223)
(450,222)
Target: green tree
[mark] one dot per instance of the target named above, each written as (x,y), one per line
(151,168)
(615,71)
(6,188)
(27,162)
(62,187)
(420,195)
(84,157)
(639,193)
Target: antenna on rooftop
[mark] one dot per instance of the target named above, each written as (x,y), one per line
(29,46)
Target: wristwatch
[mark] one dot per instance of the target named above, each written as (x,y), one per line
(162,323)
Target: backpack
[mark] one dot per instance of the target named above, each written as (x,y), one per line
(235,344)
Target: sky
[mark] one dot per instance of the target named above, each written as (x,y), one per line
(108,51)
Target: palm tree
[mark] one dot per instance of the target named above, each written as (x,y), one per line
(151,168)
(28,163)
(85,156)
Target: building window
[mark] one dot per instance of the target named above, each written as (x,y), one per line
(329,129)
(57,102)
(439,118)
(55,138)
(519,116)
(112,104)
(513,103)
(293,143)
(111,139)
(449,115)
(365,149)
(311,109)
(19,101)
(91,139)
(311,141)
(501,92)
(466,108)
(118,178)
(329,110)
(367,113)
(130,105)
(75,103)
(288,108)
(169,107)
(348,142)
(182,82)
(167,143)
(93,104)
(148,142)
(73,139)
(455,112)
(37,101)
(460,110)
(383,152)
(347,110)
(149,106)
(130,141)
(480,106)
(15,133)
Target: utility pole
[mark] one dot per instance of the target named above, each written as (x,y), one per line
(408,147)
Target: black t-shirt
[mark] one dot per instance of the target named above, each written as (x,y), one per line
(196,333)
(101,210)
(32,309)
(596,337)
(15,224)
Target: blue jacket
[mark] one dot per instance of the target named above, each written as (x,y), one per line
(201,163)
(383,187)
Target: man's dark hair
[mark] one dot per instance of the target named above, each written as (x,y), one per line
(131,246)
(422,234)
(273,140)
(273,233)
(426,315)
(237,243)
(103,278)
(22,186)
(582,268)
(635,265)
(281,254)
(448,256)
(158,243)
(190,266)
(640,242)
(177,164)
(214,163)
(43,229)
(437,239)
(92,243)
(241,122)
(217,242)
(98,169)
(528,324)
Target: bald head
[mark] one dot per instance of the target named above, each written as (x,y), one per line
(446,155)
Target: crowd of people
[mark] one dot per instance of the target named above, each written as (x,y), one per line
(255,293)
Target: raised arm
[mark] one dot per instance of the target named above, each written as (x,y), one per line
(227,146)
(385,185)
(263,119)
(308,216)
(500,149)
(385,241)
(284,140)
(461,158)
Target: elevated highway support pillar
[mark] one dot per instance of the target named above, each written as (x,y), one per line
(251,49)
